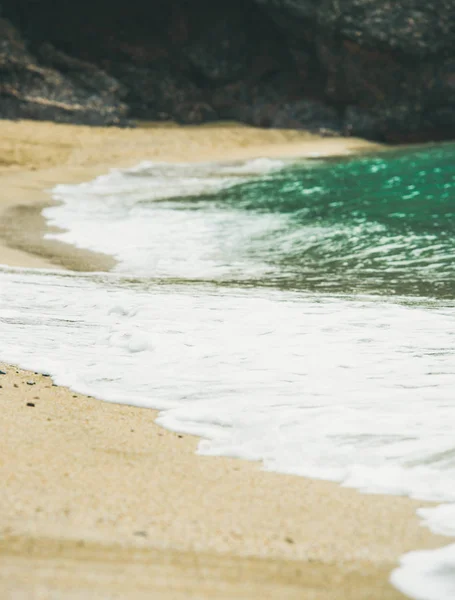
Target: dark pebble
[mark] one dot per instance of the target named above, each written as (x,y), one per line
(30,383)
(46,375)
(140,533)
(180,436)
(289,540)
(54,385)
(15,385)
(30,404)
(2,372)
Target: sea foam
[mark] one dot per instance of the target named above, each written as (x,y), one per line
(353,388)
(156,239)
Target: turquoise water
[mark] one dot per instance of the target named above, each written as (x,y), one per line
(382,224)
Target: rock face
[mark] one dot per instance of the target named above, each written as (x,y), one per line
(51,85)
(380,69)
(389,64)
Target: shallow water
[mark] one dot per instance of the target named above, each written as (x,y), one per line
(380,224)
(300,314)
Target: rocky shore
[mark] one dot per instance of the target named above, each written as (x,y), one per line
(371,68)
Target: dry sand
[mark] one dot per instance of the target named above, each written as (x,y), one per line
(97,501)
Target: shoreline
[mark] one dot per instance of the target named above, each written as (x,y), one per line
(36,156)
(104,494)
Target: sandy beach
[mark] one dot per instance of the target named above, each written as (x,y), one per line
(97,500)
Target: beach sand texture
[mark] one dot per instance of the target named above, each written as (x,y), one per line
(97,501)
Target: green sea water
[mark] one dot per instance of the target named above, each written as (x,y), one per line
(382,224)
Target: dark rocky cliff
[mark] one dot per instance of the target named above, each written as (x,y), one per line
(380,69)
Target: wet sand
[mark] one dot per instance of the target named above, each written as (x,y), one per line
(98,501)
